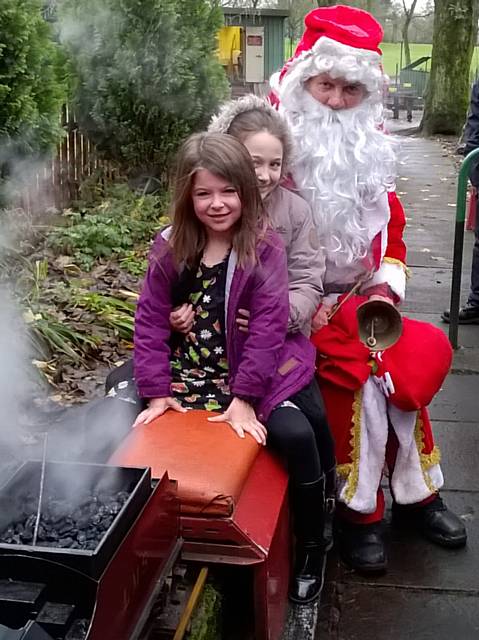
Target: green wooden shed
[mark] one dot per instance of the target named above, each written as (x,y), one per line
(251,43)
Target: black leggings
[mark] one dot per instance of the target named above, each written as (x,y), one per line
(302,437)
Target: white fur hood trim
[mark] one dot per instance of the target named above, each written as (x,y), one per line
(221,122)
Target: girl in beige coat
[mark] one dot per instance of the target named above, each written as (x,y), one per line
(265,134)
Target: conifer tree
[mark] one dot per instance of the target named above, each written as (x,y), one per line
(147,75)
(31,85)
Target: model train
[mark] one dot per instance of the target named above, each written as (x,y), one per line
(101,564)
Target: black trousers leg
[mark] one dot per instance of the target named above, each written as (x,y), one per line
(473,299)
(291,434)
(310,401)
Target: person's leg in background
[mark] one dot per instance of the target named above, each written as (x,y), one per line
(469,313)
(473,300)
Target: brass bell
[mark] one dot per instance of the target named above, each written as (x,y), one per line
(380,324)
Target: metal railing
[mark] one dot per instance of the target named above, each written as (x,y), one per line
(459,245)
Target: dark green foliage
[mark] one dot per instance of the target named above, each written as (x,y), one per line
(31,85)
(147,75)
(112,229)
(205,623)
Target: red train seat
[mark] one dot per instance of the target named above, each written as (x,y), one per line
(209,461)
(233,496)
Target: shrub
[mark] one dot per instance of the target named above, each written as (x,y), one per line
(147,74)
(32,86)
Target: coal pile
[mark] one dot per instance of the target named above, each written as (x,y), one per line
(63,525)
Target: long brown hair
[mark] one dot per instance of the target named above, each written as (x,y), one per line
(224,156)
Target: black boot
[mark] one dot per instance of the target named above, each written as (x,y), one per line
(434,521)
(467,315)
(361,546)
(308,506)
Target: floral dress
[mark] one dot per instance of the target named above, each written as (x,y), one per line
(199,366)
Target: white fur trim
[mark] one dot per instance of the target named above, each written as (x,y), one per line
(376,219)
(372,450)
(229,110)
(274,81)
(339,61)
(394,275)
(408,482)
(221,122)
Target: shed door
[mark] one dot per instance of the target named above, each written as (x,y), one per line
(254,54)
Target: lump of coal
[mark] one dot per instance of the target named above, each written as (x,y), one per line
(63,525)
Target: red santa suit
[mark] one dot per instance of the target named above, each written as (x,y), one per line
(345,169)
(376,406)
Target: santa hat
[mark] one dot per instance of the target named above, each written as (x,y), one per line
(341,41)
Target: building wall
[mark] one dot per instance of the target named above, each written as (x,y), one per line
(273,38)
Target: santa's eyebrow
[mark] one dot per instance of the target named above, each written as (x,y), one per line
(354,84)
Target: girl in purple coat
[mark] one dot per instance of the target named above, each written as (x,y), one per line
(219,257)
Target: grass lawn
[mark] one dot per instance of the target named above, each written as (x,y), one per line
(392,55)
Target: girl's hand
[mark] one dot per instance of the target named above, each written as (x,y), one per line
(243,320)
(321,317)
(157,407)
(182,318)
(242,418)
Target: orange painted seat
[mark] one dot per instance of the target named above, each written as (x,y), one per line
(209,461)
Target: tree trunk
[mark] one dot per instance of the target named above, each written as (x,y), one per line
(405,40)
(447,93)
(408,16)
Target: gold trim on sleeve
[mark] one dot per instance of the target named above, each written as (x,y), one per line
(406,269)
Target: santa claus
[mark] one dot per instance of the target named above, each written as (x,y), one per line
(331,92)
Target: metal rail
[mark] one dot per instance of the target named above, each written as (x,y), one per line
(459,245)
(191,604)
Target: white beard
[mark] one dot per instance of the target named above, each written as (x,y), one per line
(343,164)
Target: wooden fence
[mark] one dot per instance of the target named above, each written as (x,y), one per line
(56,184)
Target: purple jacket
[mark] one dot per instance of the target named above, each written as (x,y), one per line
(265,363)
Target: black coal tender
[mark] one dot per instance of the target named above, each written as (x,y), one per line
(104,540)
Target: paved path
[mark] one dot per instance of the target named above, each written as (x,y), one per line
(428,593)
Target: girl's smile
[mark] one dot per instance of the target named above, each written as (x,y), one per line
(266,151)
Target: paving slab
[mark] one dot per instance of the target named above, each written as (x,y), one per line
(429,290)
(396,614)
(466,359)
(457,441)
(458,400)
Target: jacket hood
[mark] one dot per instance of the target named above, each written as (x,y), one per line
(221,122)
